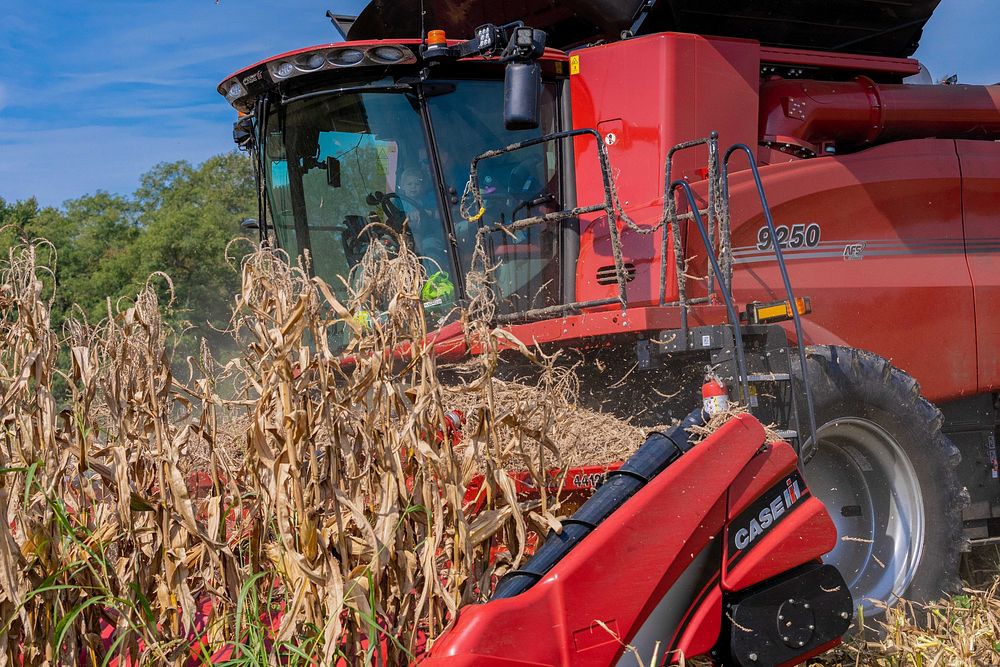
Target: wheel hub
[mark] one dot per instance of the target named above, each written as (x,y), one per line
(871,490)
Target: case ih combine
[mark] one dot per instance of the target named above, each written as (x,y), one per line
(844,224)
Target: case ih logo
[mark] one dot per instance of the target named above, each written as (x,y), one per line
(767,511)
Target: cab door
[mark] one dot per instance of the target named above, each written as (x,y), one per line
(980,165)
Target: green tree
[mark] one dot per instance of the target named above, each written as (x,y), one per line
(189,217)
(179,221)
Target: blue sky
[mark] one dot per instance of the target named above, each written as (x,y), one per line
(95,92)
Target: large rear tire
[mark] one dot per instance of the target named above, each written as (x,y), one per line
(888,477)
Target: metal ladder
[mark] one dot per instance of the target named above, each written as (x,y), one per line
(766,372)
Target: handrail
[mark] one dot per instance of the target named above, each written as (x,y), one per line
(782,267)
(670,216)
(610,207)
(727,297)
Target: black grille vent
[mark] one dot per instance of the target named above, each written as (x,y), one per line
(606,274)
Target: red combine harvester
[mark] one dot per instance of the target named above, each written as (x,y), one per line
(607,153)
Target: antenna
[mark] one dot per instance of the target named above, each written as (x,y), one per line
(423,27)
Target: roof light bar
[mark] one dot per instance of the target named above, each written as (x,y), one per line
(388,54)
(234,90)
(346,57)
(250,83)
(307,63)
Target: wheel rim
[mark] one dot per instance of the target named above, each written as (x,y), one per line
(872,493)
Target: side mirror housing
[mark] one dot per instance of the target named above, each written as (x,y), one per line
(243,132)
(249,224)
(523,79)
(521,95)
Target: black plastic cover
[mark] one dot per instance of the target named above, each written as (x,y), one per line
(656,453)
(785,617)
(874,27)
(521,96)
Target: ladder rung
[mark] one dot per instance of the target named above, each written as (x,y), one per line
(768,377)
(788,435)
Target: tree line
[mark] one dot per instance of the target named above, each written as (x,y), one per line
(179,221)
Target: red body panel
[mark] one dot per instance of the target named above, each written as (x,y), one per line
(909,292)
(701,632)
(907,284)
(639,553)
(621,89)
(758,477)
(799,536)
(980,163)
(804,536)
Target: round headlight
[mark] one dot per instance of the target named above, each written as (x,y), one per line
(235,91)
(311,61)
(387,54)
(346,57)
(284,70)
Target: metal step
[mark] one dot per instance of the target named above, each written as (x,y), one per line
(788,436)
(769,377)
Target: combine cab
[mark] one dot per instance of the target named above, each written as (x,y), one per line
(773,205)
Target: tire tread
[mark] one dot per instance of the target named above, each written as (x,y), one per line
(842,366)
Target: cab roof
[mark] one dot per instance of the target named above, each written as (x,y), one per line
(870,27)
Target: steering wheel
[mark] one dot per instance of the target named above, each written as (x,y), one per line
(405,211)
(394,215)
(361,232)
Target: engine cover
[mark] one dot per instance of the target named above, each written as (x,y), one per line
(786,617)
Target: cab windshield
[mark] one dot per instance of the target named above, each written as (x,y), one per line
(516,185)
(344,168)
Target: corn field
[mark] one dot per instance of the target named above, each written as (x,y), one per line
(298,504)
(315,514)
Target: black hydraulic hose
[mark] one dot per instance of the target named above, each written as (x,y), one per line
(727,296)
(780,257)
(658,452)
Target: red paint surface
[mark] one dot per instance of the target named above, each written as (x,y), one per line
(910,298)
(701,632)
(637,552)
(653,92)
(980,164)
(760,475)
(807,533)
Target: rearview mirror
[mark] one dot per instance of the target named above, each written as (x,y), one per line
(521,94)
(333,172)
(243,132)
(522,85)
